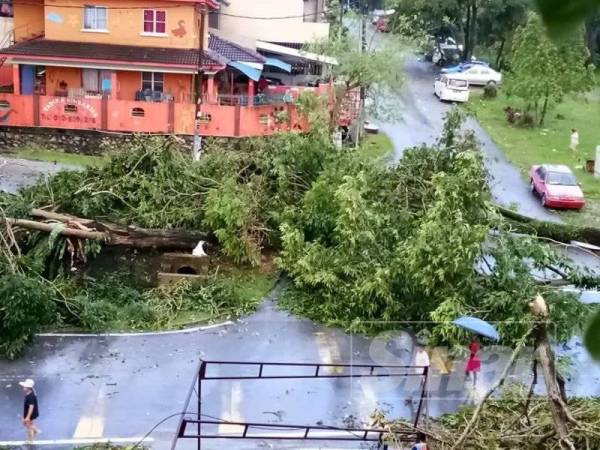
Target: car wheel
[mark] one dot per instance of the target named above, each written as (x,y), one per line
(491,83)
(544,201)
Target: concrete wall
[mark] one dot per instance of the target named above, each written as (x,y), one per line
(293,29)
(28,19)
(125,23)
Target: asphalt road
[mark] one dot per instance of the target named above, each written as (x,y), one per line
(17,173)
(121,386)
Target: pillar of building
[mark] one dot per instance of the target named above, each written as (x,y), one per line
(114,87)
(251,92)
(16,79)
(211,96)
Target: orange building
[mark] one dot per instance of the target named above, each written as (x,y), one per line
(136,66)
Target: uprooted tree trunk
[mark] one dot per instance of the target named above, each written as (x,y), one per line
(556,231)
(545,357)
(109,233)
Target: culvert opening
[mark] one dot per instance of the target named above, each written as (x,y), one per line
(187,270)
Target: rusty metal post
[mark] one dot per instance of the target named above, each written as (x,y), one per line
(201,375)
(423,394)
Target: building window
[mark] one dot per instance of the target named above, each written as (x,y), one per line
(153,81)
(213,20)
(155,21)
(95,18)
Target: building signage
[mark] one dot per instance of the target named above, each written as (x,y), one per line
(69,110)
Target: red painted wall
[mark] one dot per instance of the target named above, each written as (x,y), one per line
(118,115)
(6,75)
(71,113)
(121,117)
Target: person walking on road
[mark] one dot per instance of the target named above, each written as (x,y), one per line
(30,409)
(474,363)
(574,140)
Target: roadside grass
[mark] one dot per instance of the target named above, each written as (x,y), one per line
(124,297)
(377,146)
(251,284)
(37,153)
(550,144)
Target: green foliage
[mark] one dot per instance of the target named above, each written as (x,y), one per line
(378,70)
(490,91)
(26,305)
(544,71)
(238,190)
(592,336)
(373,247)
(560,15)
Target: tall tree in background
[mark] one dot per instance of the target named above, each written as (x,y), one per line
(497,22)
(544,70)
(592,37)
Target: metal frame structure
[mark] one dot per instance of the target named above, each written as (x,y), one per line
(304,432)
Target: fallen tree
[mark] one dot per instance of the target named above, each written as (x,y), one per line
(560,232)
(109,233)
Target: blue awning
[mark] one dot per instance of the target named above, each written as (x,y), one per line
(249,71)
(279,63)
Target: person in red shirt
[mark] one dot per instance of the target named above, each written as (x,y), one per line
(474,363)
(263,84)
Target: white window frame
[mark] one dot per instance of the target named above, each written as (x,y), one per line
(95,8)
(154,32)
(153,81)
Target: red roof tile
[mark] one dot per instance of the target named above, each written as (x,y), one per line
(233,51)
(109,52)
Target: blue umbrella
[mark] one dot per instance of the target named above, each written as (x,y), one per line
(477,326)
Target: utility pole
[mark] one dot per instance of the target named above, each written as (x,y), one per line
(340,31)
(363,49)
(197,145)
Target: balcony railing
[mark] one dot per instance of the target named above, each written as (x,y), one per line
(256,100)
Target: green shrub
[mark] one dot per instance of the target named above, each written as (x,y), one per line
(26,305)
(95,315)
(490,91)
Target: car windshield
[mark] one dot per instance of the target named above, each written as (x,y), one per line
(561,178)
(458,83)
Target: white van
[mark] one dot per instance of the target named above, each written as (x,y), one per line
(452,90)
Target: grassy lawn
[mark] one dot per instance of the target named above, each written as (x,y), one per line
(376,146)
(36,153)
(550,143)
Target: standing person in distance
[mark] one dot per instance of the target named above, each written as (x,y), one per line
(474,363)
(421,443)
(30,409)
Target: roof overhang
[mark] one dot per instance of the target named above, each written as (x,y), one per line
(274,62)
(248,70)
(282,50)
(107,65)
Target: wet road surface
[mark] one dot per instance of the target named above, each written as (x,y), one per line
(421,121)
(17,173)
(120,387)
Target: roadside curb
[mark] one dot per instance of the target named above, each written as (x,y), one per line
(141,333)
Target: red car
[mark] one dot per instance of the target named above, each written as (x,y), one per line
(383,25)
(557,186)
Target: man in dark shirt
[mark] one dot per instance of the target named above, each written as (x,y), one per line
(30,409)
